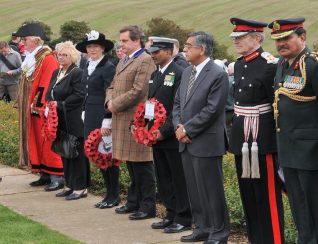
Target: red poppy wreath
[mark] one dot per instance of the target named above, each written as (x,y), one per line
(49,127)
(102,160)
(145,136)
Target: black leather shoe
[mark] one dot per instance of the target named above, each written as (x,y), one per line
(141,215)
(214,242)
(40,182)
(99,203)
(162,224)
(54,186)
(125,210)
(75,196)
(176,228)
(110,204)
(64,193)
(195,236)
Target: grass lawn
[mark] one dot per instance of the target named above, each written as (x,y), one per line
(15,229)
(109,16)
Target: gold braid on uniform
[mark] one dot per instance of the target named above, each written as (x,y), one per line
(39,57)
(292,93)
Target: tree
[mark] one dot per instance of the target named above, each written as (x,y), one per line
(47,29)
(167,28)
(73,31)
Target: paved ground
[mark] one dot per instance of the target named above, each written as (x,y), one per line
(77,219)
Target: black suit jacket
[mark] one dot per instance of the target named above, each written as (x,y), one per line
(70,91)
(95,85)
(165,92)
(253,85)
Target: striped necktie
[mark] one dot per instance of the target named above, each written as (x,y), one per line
(191,81)
(126,59)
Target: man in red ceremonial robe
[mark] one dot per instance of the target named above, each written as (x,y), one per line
(37,70)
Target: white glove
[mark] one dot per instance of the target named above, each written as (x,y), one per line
(107,123)
(83,116)
(46,111)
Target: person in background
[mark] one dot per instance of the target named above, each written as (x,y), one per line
(296,106)
(66,90)
(178,57)
(37,69)
(119,54)
(10,70)
(229,108)
(253,134)
(97,76)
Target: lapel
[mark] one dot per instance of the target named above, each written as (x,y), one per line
(197,82)
(123,66)
(159,79)
(66,74)
(100,64)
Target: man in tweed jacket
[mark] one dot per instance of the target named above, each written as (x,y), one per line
(128,89)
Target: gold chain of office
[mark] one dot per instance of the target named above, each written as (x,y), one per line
(292,93)
(39,61)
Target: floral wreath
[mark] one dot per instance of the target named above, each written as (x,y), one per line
(49,127)
(142,135)
(91,150)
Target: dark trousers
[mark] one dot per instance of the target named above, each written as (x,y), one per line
(142,191)
(111,180)
(262,202)
(77,170)
(204,178)
(172,186)
(302,190)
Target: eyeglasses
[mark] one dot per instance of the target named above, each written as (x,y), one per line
(188,46)
(62,55)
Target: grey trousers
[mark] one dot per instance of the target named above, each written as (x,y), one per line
(204,178)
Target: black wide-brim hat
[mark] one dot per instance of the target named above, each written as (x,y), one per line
(95,37)
(32,29)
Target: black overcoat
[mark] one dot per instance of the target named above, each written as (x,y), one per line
(70,91)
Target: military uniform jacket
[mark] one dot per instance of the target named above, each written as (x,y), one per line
(253,85)
(163,87)
(297,123)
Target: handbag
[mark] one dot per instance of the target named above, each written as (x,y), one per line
(65,143)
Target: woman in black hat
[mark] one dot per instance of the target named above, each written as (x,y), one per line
(97,76)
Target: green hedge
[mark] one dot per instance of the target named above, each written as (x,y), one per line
(9,149)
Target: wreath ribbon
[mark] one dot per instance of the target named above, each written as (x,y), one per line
(96,157)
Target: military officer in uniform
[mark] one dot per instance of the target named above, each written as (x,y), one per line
(295,107)
(253,139)
(163,85)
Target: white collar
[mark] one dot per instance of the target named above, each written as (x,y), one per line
(132,55)
(201,66)
(162,70)
(28,65)
(92,64)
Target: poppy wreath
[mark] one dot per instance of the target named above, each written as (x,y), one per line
(145,136)
(49,127)
(96,157)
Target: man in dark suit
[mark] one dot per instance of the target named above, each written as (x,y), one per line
(170,177)
(295,109)
(199,120)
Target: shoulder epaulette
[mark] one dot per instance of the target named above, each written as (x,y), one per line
(312,55)
(269,58)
